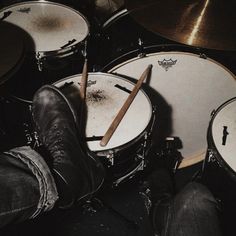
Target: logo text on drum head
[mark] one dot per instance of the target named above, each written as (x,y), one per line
(24,10)
(166,64)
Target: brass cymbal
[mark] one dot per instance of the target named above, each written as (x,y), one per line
(206,23)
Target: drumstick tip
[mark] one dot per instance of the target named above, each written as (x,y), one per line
(103,144)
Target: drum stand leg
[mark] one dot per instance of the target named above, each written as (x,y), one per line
(199,176)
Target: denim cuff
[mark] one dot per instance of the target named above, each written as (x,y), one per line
(47,186)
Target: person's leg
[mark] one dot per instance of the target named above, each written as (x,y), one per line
(27,187)
(78,173)
(193,212)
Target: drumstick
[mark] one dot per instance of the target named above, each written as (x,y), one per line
(124,108)
(83,84)
(83,88)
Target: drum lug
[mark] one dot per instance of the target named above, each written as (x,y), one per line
(203,56)
(211,156)
(39,60)
(154,109)
(213,113)
(110,158)
(28,136)
(142,54)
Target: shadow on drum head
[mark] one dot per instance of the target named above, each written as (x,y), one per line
(72,93)
(14,43)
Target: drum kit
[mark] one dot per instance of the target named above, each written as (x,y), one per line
(45,42)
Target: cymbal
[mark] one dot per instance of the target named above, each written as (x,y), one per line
(207,24)
(11,50)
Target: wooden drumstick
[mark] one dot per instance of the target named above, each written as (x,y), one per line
(124,108)
(83,84)
(83,88)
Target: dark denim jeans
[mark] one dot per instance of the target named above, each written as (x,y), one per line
(27,187)
(193,212)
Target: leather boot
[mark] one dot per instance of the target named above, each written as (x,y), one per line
(78,174)
(160,190)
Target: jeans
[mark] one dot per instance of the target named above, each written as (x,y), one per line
(27,187)
(192,212)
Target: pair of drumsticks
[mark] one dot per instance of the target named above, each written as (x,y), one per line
(123,109)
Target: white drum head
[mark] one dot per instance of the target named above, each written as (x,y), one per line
(50,25)
(106,94)
(191,88)
(225,119)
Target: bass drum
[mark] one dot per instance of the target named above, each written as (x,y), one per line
(185,87)
(125,153)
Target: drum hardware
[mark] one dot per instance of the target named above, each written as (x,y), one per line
(42,58)
(130,175)
(39,61)
(140,48)
(203,55)
(32,138)
(169,153)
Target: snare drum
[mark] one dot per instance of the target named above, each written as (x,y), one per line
(125,153)
(185,87)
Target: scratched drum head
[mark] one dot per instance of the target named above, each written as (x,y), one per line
(52,26)
(186,88)
(223,132)
(106,94)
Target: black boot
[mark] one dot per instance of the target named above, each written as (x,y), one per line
(77,174)
(160,190)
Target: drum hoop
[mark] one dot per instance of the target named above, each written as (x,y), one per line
(58,51)
(140,55)
(124,146)
(212,145)
(135,139)
(116,16)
